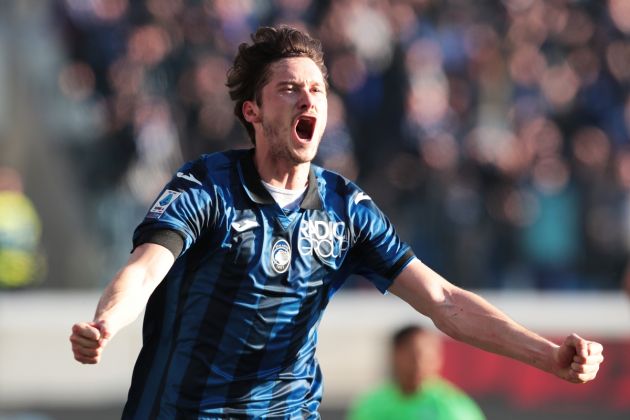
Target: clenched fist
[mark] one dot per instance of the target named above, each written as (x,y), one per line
(577,360)
(88,340)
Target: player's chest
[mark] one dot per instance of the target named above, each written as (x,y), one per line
(302,243)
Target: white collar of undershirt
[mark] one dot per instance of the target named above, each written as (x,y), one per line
(286,199)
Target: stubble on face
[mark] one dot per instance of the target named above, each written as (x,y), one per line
(279,139)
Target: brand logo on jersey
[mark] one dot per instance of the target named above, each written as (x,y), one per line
(325,239)
(165,200)
(188,177)
(360,197)
(280,256)
(244,224)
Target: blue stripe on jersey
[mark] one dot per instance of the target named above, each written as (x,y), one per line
(232,330)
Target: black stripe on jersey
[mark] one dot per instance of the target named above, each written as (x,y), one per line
(250,362)
(194,380)
(195,254)
(301,329)
(312,200)
(151,327)
(310,304)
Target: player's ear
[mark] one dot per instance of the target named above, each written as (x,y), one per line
(251,112)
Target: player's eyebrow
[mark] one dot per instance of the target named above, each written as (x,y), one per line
(289,82)
(292,82)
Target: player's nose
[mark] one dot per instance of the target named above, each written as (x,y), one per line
(307,100)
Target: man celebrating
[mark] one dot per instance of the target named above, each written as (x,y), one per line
(242,251)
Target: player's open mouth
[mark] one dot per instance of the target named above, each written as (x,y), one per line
(305,127)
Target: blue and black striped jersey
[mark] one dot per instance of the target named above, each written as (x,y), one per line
(232,330)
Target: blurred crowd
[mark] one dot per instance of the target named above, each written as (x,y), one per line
(495,135)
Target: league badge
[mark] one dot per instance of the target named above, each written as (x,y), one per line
(162,203)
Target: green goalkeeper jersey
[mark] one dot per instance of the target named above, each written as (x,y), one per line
(436,400)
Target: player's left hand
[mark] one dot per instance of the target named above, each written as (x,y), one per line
(577,360)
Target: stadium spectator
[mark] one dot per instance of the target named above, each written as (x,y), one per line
(21,258)
(416,390)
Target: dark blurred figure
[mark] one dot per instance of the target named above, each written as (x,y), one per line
(21,261)
(416,390)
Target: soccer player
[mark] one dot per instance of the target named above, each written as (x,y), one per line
(416,390)
(241,252)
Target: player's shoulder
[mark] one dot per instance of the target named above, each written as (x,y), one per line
(215,166)
(334,184)
(219,161)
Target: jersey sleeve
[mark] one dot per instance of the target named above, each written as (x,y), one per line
(185,207)
(379,252)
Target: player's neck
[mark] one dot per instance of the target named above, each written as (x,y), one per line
(280,173)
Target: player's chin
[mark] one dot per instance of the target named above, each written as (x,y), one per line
(304,155)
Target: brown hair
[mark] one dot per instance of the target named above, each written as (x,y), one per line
(401,335)
(250,71)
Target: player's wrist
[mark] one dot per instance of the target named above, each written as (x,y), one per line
(104,327)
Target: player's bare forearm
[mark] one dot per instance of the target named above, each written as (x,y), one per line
(127,294)
(121,302)
(468,317)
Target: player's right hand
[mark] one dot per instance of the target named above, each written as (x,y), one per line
(577,360)
(88,340)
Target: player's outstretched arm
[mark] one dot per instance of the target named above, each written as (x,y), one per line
(122,301)
(468,317)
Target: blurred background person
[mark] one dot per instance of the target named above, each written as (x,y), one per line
(416,390)
(21,261)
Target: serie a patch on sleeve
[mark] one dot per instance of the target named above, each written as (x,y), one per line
(162,203)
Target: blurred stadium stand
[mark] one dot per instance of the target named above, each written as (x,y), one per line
(496,136)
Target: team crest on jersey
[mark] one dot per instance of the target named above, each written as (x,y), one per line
(280,256)
(162,203)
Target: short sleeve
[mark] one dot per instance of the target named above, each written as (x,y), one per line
(184,206)
(380,253)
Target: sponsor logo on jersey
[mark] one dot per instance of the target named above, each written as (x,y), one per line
(188,177)
(162,203)
(326,239)
(280,256)
(244,224)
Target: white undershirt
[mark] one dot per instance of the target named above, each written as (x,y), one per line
(286,199)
